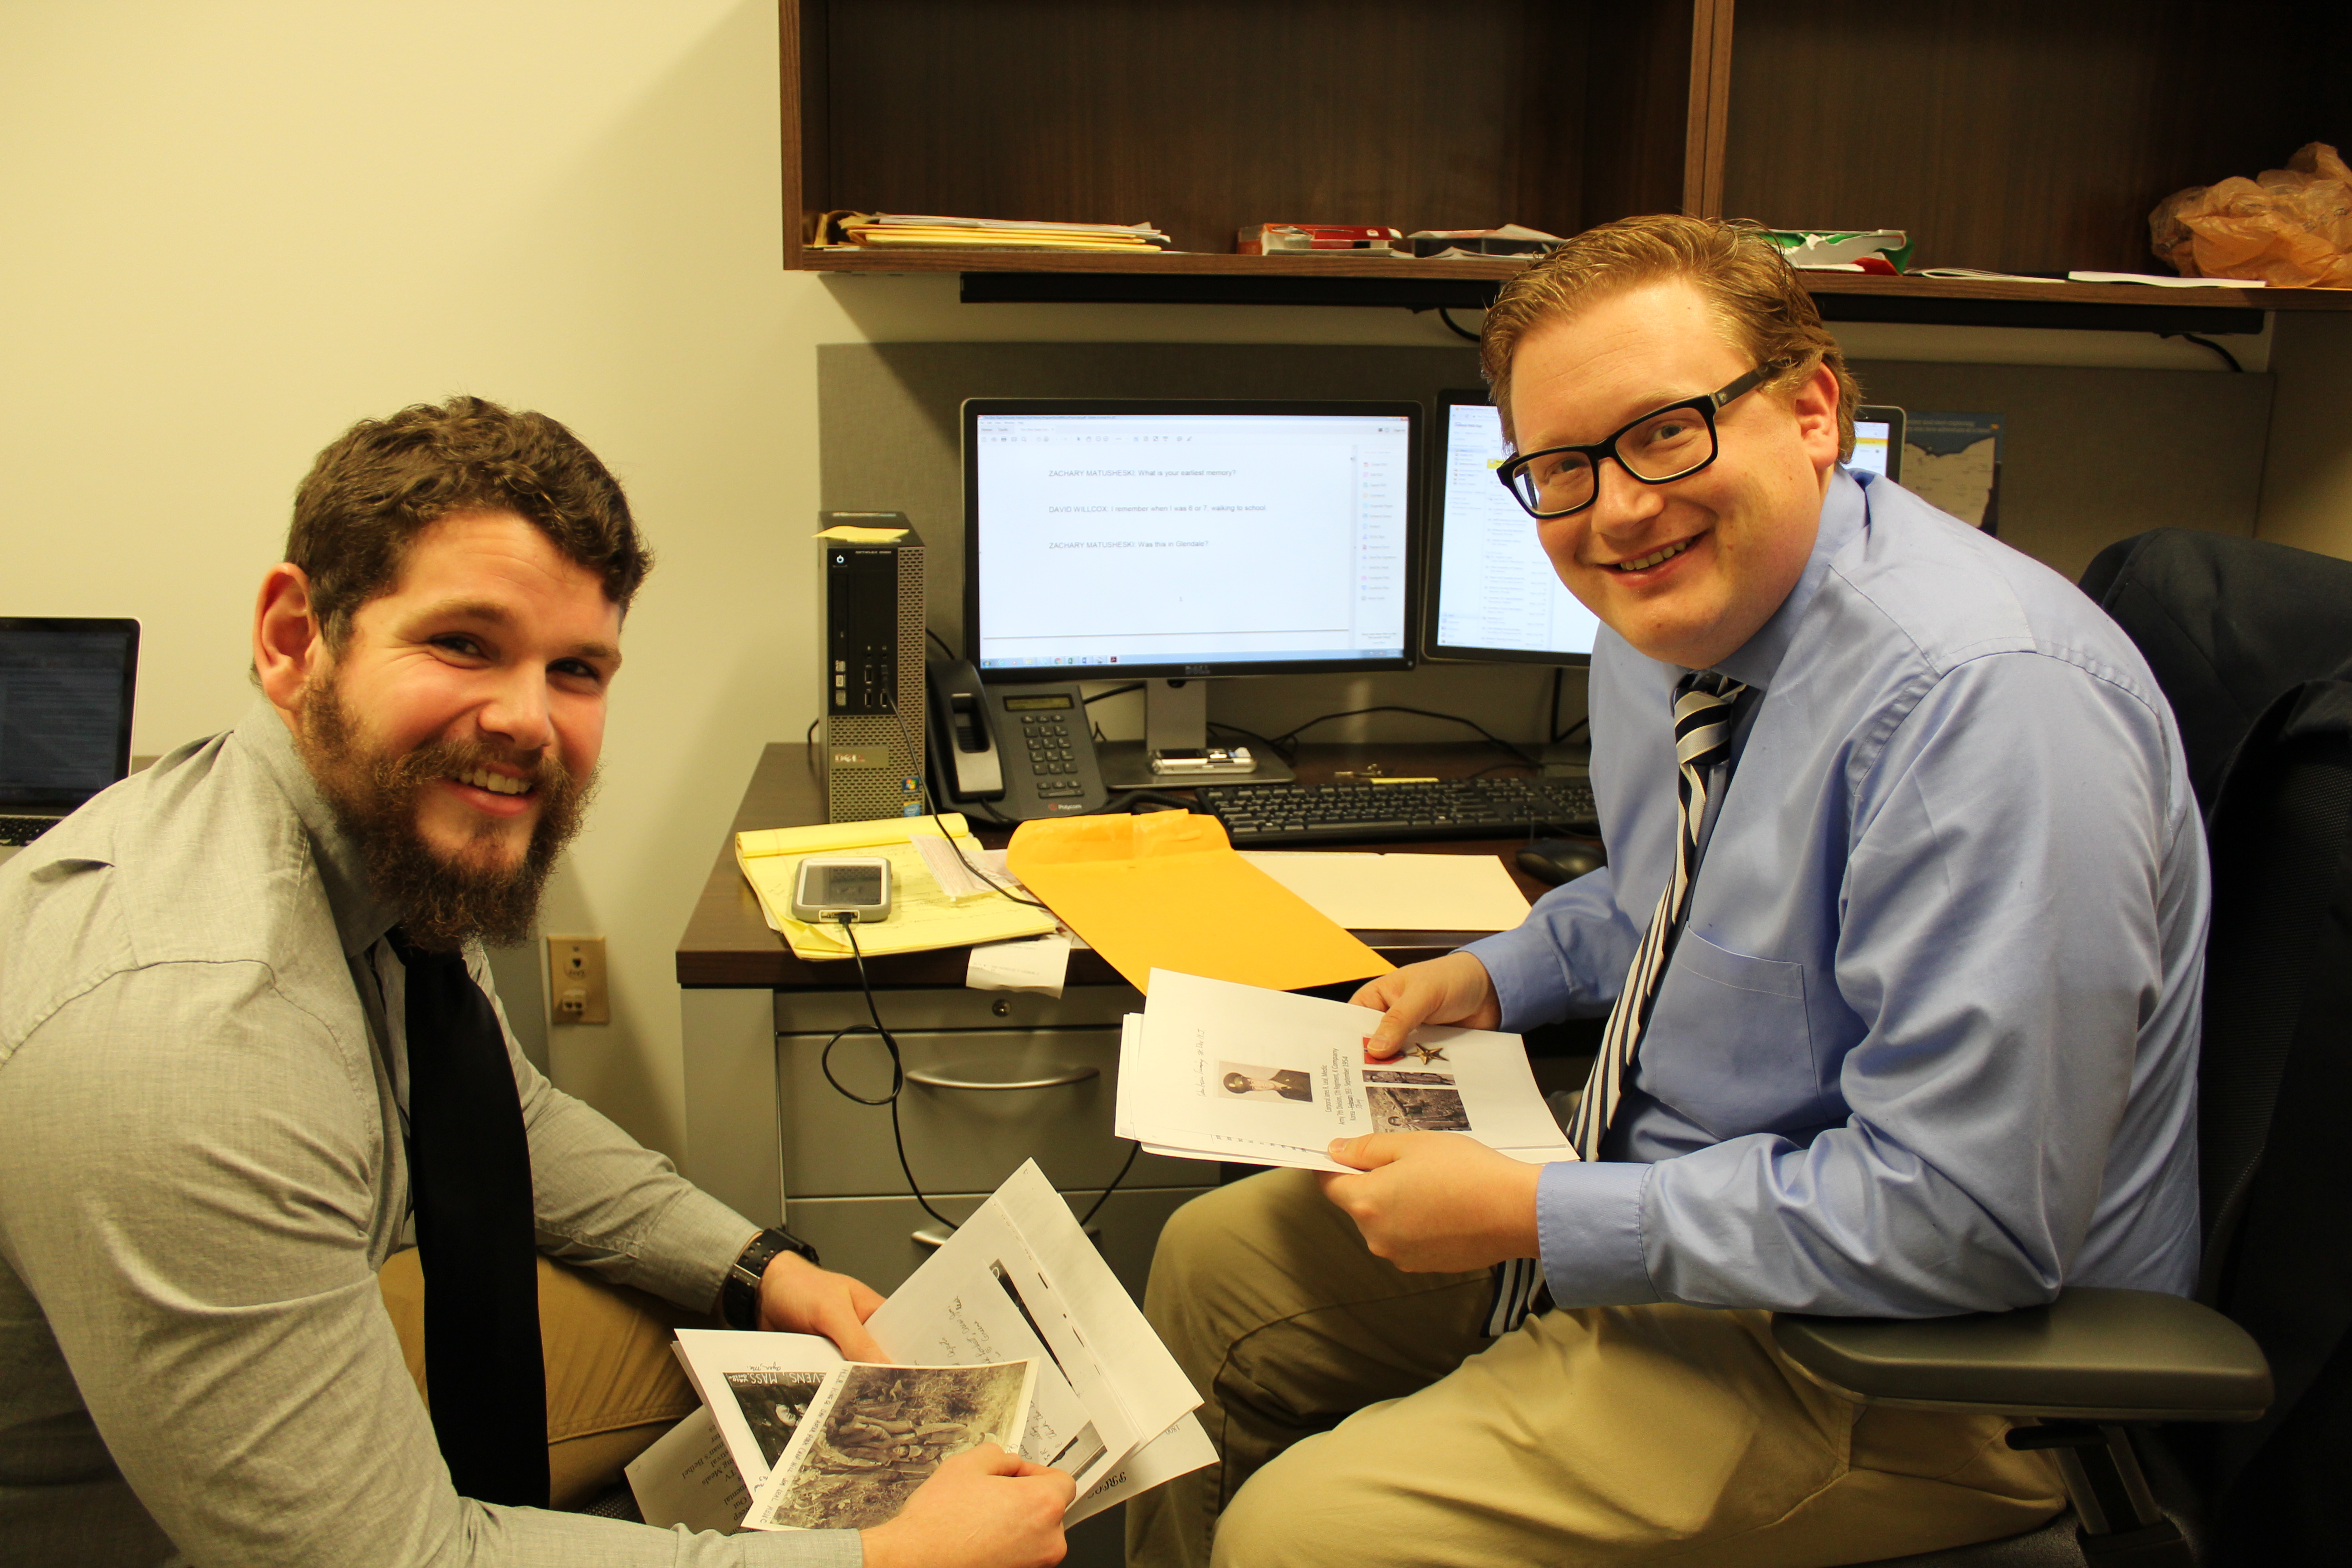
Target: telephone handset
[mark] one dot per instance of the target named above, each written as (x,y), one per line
(1016,752)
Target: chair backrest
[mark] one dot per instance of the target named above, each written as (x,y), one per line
(2253,643)
(2226,624)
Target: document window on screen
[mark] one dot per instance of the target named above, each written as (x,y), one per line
(1497,593)
(1210,542)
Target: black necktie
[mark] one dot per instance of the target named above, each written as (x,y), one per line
(1706,707)
(470,1166)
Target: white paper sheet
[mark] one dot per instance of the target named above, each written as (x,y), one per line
(1401,892)
(1039,964)
(1153,1388)
(981,1298)
(687,1477)
(1234,1072)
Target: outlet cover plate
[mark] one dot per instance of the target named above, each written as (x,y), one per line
(576,988)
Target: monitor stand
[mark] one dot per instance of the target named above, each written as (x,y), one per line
(1176,719)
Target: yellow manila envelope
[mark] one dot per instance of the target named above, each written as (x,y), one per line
(921,916)
(1166,890)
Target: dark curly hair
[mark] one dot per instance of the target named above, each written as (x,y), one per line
(384,481)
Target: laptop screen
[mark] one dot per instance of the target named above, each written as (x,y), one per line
(65,710)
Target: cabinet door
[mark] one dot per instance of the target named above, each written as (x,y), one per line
(965,1129)
(883,1240)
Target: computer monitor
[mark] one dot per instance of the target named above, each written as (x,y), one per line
(66,689)
(1493,594)
(1168,542)
(1878,440)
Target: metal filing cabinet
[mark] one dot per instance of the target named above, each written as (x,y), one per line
(992,1078)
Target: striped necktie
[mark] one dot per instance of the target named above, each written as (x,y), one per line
(1707,707)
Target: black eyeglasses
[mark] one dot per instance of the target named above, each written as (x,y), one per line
(1663,445)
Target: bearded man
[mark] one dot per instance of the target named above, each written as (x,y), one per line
(248,1033)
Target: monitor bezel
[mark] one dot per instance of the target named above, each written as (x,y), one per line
(1434,509)
(975,408)
(1893,418)
(36,804)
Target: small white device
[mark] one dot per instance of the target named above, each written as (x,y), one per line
(831,889)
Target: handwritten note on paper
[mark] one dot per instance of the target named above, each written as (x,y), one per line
(687,1477)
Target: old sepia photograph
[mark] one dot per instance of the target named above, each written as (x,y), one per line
(1243,1081)
(773,1404)
(885,1431)
(1433,1079)
(1403,1108)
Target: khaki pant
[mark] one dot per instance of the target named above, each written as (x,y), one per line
(612,1385)
(1364,1422)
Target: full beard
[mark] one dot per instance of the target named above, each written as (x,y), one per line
(375,799)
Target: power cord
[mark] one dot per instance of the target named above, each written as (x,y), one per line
(848,924)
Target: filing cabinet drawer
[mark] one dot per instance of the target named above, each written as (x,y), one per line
(955,1008)
(963,1134)
(872,1238)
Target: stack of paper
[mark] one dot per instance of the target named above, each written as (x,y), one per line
(922,915)
(1211,1071)
(895,231)
(788,1425)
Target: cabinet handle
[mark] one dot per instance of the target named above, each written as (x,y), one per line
(1062,1076)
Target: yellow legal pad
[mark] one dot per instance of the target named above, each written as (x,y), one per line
(921,916)
(1166,890)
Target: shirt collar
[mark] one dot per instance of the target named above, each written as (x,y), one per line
(361,918)
(1846,511)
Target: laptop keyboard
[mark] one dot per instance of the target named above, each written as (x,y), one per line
(21,830)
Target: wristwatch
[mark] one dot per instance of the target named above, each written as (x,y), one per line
(738,1296)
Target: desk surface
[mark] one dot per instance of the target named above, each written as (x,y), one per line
(727,944)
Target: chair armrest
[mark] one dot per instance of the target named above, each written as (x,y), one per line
(2090,1355)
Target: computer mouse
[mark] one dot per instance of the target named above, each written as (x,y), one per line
(1557,860)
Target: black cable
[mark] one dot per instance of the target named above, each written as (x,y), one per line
(1132,1150)
(808,743)
(2226,357)
(941,640)
(848,924)
(1559,675)
(931,809)
(1116,691)
(1292,734)
(1446,316)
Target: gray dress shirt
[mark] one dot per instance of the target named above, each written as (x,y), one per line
(200,1170)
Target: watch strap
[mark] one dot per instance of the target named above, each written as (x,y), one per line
(738,1294)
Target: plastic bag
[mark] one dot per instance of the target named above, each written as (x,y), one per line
(2291,226)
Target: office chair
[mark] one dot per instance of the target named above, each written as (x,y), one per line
(2250,642)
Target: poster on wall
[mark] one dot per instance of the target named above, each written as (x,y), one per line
(1952,462)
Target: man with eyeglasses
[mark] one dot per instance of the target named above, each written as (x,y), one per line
(1900,948)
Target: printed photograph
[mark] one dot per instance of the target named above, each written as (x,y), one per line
(1243,1081)
(1402,1109)
(1436,1079)
(886,1431)
(773,1404)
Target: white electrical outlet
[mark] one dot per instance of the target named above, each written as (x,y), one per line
(576,991)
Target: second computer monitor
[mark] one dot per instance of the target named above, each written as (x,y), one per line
(1109,538)
(1493,594)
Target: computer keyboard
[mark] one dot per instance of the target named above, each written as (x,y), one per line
(21,830)
(1265,816)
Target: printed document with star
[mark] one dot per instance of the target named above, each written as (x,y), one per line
(1212,1070)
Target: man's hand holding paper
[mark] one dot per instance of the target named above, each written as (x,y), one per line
(1454,989)
(1435,1202)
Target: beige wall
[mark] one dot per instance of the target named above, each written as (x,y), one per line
(228,229)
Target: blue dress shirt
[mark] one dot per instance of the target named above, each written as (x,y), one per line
(1928,1042)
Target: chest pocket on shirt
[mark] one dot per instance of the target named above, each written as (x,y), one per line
(1729,1036)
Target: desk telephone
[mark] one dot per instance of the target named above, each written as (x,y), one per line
(1015,753)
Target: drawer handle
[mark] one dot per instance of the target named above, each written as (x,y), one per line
(933,1237)
(1064,1076)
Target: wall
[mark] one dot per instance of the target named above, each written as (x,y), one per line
(234,228)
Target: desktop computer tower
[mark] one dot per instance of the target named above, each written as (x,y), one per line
(870,747)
